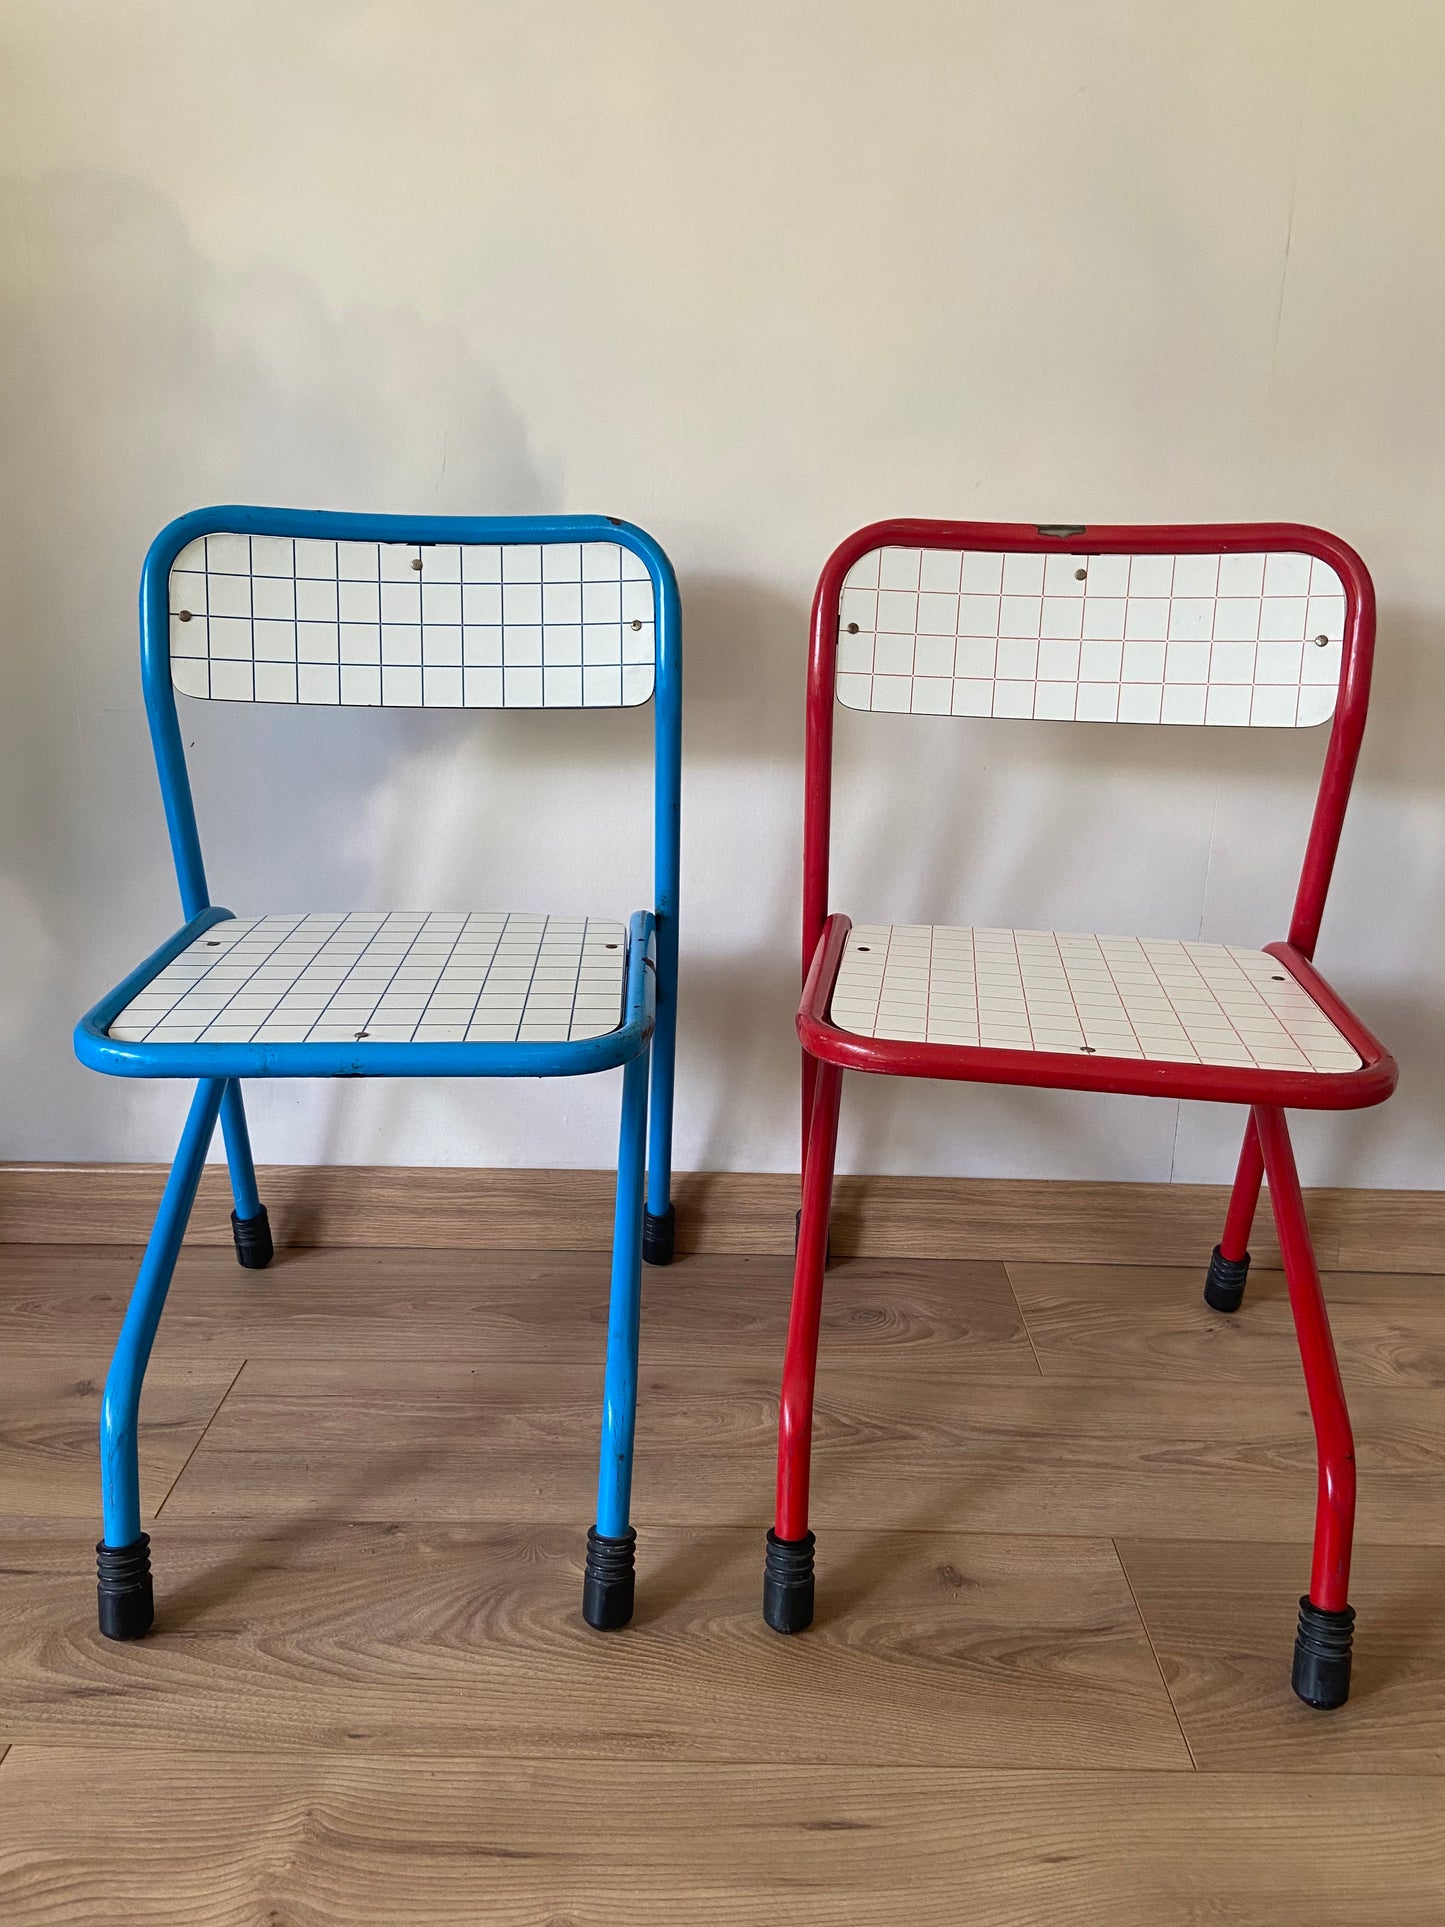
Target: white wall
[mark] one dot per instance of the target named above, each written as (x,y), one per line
(750,272)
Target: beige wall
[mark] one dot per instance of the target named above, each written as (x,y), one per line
(749,273)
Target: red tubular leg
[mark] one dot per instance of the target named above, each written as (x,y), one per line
(1335,1505)
(795,1420)
(810,1079)
(1243,1199)
(788,1572)
(1229,1261)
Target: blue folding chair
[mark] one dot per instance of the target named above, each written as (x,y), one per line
(452,612)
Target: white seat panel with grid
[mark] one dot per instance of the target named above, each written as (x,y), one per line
(439,625)
(1157,999)
(399,977)
(1244,640)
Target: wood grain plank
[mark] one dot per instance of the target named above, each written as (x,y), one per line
(339,1204)
(1041,1220)
(499,1305)
(296,1634)
(1222,1618)
(135,1839)
(1150,1321)
(448,1439)
(1047,1220)
(49,1426)
(1390,1230)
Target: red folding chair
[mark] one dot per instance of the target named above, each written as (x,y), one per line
(1266,625)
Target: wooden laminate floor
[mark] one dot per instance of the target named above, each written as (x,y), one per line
(1063,1517)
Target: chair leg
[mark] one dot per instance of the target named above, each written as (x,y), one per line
(125,1597)
(810,1080)
(607,1589)
(1229,1261)
(788,1573)
(659,1222)
(1321,1674)
(250,1227)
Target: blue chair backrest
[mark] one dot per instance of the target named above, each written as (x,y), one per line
(432,612)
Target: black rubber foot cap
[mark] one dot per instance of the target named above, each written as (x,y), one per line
(788,1583)
(1322,1655)
(609,1584)
(254,1248)
(123,1590)
(1224,1284)
(659,1237)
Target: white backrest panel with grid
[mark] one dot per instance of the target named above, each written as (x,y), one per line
(1252,640)
(524,625)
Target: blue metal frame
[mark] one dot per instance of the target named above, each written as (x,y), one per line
(619,1392)
(645,1039)
(119,1472)
(238,1152)
(342,1058)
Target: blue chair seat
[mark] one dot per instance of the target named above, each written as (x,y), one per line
(376,993)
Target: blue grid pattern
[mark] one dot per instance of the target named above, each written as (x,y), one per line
(398,977)
(527,625)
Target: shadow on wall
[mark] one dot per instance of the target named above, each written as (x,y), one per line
(144,382)
(141,382)
(510,799)
(1169,832)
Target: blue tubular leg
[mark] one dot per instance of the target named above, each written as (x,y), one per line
(607,1593)
(123,1556)
(238,1151)
(250,1227)
(659,1224)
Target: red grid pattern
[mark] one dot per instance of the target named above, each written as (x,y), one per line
(1158,999)
(1248,640)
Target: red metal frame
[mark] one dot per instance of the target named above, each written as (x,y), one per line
(800,1363)
(1372,1083)
(828,1050)
(1229,538)
(1335,1445)
(1244,1198)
